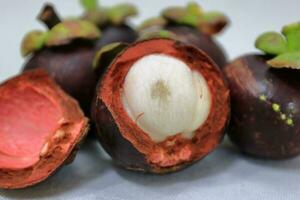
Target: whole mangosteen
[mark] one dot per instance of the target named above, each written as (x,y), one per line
(191,25)
(161,105)
(66,51)
(265,91)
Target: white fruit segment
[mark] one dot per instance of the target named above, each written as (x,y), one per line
(165,97)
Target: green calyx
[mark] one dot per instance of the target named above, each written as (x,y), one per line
(33,41)
(61,34)
(106,54)
(192,15)
(285,47)
(107,15)
(67,31)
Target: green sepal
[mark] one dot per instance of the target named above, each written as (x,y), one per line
(271,43)
(158,34)
(98,17)
(152,22)
(213,22)
(66,31)
(292,34)
(181,16)
(286,60)
(33,41)
(285,47)
(89,4)
(106,54)
(119,13)
(192,15)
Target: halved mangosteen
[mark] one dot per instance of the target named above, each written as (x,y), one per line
(161,105)
(40,127)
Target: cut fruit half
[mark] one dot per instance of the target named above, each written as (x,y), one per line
(40,126)
(161,105)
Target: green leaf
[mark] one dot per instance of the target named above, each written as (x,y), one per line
(67,31)
(89,4)
(32,42)
(271,43)
(292,34)
(106,54)
(286,60)
(119,13)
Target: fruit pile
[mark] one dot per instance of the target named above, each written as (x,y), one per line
(159,97)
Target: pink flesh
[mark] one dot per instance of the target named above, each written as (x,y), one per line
(27,119)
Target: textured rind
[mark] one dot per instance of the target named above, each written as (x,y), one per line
(206,43)
(133,156)
(39,79)
(263,99)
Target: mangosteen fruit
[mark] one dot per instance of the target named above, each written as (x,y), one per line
(191,25)
(265,93)
(112,21)
(66,51)
(160,105)
(40,128)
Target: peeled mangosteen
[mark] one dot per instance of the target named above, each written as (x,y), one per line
(112,21)
(40,128)
(191,25)
(66,51)
(161,105)
(265,91)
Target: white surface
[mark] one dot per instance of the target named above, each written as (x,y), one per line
(224,175)
(161,93)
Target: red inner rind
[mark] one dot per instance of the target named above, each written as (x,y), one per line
(32,109)
(175,150)
(26,120)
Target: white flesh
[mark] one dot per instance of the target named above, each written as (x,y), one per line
(165,97)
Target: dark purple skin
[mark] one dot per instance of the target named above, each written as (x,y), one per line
(204,42)
(121,150)
(114,33)
(71,67)
(256,126)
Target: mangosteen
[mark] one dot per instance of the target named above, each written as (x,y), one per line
(112,21)
(192,25)
(40,128)
(265,91)
(66,51)
(161,105)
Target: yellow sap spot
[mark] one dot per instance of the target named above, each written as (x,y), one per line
(262,97)
(289,121)
(276,107)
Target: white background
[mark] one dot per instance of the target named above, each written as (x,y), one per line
(224,175)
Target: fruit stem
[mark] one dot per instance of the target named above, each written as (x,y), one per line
(49,16)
